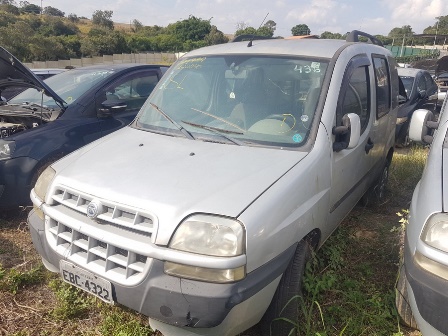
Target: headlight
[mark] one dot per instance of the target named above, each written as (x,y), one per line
(209,235)
(401,120)
(435,233)
(6,149)
(43,182)
(212,236)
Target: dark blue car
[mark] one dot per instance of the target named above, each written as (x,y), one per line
(56,117)
(421,92)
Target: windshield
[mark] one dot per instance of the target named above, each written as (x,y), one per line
(407,82)
(69,85)
(264,100)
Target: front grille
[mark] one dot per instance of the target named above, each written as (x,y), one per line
(105,259)
(113,213)
(114,246)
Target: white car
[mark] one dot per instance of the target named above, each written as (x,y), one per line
(202,213)
(422,295)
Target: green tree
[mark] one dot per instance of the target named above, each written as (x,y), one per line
(53,11)
(193,29)
(166,42)
(137,43)
(73,18)
(440,27)
(7,19)
(137,26)
(300,29)
(103,41)
(72,45)
(34,21)
(9,9)
(271,25)
(331,36)
(397,32)
(151,30)
(16,38)
(55,26)
(215,37)
(29,8)
(265,31)
(46,48)
(103,18)
(246,31)
(384,39)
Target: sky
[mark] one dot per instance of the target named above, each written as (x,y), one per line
(371,16)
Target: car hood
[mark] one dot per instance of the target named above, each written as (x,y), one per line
(174,177)
(13,73)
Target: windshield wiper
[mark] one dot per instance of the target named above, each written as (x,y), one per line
(218,131)
(175,123)
(220,119)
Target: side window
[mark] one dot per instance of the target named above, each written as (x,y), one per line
(356,97)
(132,89)
(382,80)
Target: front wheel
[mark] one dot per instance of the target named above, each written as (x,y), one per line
(282,315)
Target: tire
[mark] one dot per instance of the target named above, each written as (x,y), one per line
(376,195)
(402,302)
(287,300)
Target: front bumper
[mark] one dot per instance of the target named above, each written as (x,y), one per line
(15,179)
(428,296)
(176,301)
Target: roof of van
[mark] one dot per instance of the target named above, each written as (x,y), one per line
(305,47)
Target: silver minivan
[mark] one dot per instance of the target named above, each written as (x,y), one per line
(422,286)
(202,213)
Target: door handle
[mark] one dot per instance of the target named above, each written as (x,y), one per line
(369,146)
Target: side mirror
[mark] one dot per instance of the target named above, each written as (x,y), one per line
(422,126)
(347,135)
(422,94)
(109,107)
(402,99)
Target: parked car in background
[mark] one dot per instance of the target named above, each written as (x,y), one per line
(421,91)
(245,158)
(422,288)
(9,92)
(53,118)
(442,82)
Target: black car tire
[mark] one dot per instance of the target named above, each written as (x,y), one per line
(376,195)
(287,301)
(402,302)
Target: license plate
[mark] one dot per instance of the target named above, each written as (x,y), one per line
(87,281)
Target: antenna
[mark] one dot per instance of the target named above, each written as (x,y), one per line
(253,35)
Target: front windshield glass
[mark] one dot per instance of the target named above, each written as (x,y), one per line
(260,100)
(69,85)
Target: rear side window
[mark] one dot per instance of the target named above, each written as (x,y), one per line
(382,81)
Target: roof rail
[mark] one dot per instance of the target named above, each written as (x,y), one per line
(250,37)
(355,34)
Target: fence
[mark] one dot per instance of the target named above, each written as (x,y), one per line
(399,51)
(145,58)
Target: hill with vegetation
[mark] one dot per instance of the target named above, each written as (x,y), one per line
(32,33)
